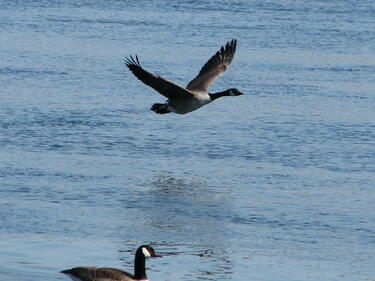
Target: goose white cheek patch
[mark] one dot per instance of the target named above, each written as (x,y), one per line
(146,253)
(231,93)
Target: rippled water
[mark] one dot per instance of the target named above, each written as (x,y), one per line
(274,185)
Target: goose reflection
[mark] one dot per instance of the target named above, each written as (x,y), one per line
(196,214)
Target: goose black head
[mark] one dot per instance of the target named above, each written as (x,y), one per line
(147,251)
(234,92)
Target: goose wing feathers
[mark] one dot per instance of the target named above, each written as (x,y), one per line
(215,66)
(99,274)
(165,87)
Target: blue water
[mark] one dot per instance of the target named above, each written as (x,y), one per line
(277,184)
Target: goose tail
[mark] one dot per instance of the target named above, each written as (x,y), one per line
(160,108)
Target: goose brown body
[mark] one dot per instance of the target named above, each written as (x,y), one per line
(91,273)
(98,274)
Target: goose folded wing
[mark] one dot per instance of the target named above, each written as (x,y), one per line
(163,86)
(214,67)
(99,274)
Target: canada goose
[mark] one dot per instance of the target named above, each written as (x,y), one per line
(195,95)
(111,274)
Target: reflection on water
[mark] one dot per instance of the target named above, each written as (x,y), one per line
(166,185)
(187,205)
(182,209)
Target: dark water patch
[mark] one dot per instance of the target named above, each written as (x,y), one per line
(35,173)
(128,23)
(28,72)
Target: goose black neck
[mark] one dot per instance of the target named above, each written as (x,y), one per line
(139,267)
(219,94)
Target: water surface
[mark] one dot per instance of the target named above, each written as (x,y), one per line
(273,185)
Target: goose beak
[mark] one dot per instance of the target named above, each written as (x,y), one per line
(156,255)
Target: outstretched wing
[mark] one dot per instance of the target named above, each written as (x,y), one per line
(215,66)
(163,86)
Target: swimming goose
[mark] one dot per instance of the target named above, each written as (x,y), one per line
(112,274)
(195,95)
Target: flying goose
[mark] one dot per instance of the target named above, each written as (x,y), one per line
(111,274)
(195,95)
